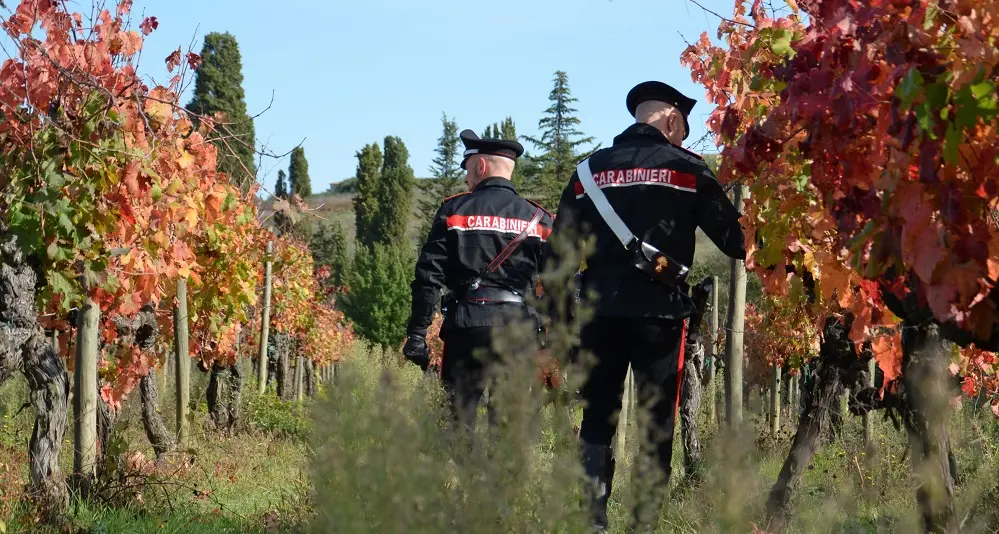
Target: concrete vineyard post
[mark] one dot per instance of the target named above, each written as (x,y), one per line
(775,401)
(709,352)
(182,361)
(736,324)
(265,321)
(85,394)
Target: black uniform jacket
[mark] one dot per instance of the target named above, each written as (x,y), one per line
(662,193)
(468,231)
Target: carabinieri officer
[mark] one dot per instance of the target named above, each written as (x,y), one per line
(484,248)
(643,198)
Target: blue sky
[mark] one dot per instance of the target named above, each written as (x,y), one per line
(349,72)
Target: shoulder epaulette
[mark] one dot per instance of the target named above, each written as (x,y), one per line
(689,152)
(452,197)
(535,204)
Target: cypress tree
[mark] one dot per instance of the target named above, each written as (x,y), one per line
(446,175)
(394,194)
(218,88)
(508,131)
(488,132)
(329,248)
(281,189)
(369,162)
(298,174)
(559,143)
(378,302)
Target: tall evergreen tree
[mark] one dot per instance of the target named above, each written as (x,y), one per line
(369,163)
(508,131)
(379,296)
(281,188)
(488,132)
(298,174)
(218,88)
(559,143)
(329,248)
(446,175)
(394,194)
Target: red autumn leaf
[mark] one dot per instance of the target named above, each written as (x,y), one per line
(148,25)
(193,61)
(173,60)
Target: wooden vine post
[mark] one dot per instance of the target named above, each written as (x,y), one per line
(775,401)
(709,352)
(85,395)
(182,361)
(265,321)
(299,379)
(736,324)
(868,441)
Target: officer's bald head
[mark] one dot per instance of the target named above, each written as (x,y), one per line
(665,117)
(482,166)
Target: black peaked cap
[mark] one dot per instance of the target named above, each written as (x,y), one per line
(494,147)
(661,92)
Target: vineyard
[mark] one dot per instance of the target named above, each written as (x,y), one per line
(183,349)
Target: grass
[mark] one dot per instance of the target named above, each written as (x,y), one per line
(377,455)
(254,482)
(382,469)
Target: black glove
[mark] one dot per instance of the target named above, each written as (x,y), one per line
(416,351)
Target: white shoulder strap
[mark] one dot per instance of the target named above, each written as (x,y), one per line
(603,207)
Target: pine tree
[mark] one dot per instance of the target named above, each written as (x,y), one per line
(218,88)
(446,175)
(559,143)
(298,174)
(378,302)
(488,132)
(369,163)
(394,194)
(281,189)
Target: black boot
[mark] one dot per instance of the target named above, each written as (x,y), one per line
(598,462)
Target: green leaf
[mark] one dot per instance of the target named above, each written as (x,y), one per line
(66,224)
(910,88)
(61,285)
(782,45)
(156,192)
(925,119)
(937,94)
(952,142)
(983,89)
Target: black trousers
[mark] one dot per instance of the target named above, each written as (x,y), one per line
(653,348)
(467,359)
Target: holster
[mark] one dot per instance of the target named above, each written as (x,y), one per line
(659,266)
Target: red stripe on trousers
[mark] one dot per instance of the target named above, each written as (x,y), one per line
(679,369)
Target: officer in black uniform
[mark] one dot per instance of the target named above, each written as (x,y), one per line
(662,193)
(484,248)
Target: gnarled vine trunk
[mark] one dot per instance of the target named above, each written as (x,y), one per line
(310,377)
(152,421)
(217,407)
(690,405)
(834,352)
(283,345)
(924,375)
(142,331)
(224,394)
(235,395)
(23,343)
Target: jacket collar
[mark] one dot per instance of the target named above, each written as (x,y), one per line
(496,182)
(640,130)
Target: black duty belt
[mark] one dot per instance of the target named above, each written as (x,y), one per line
(486,295)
